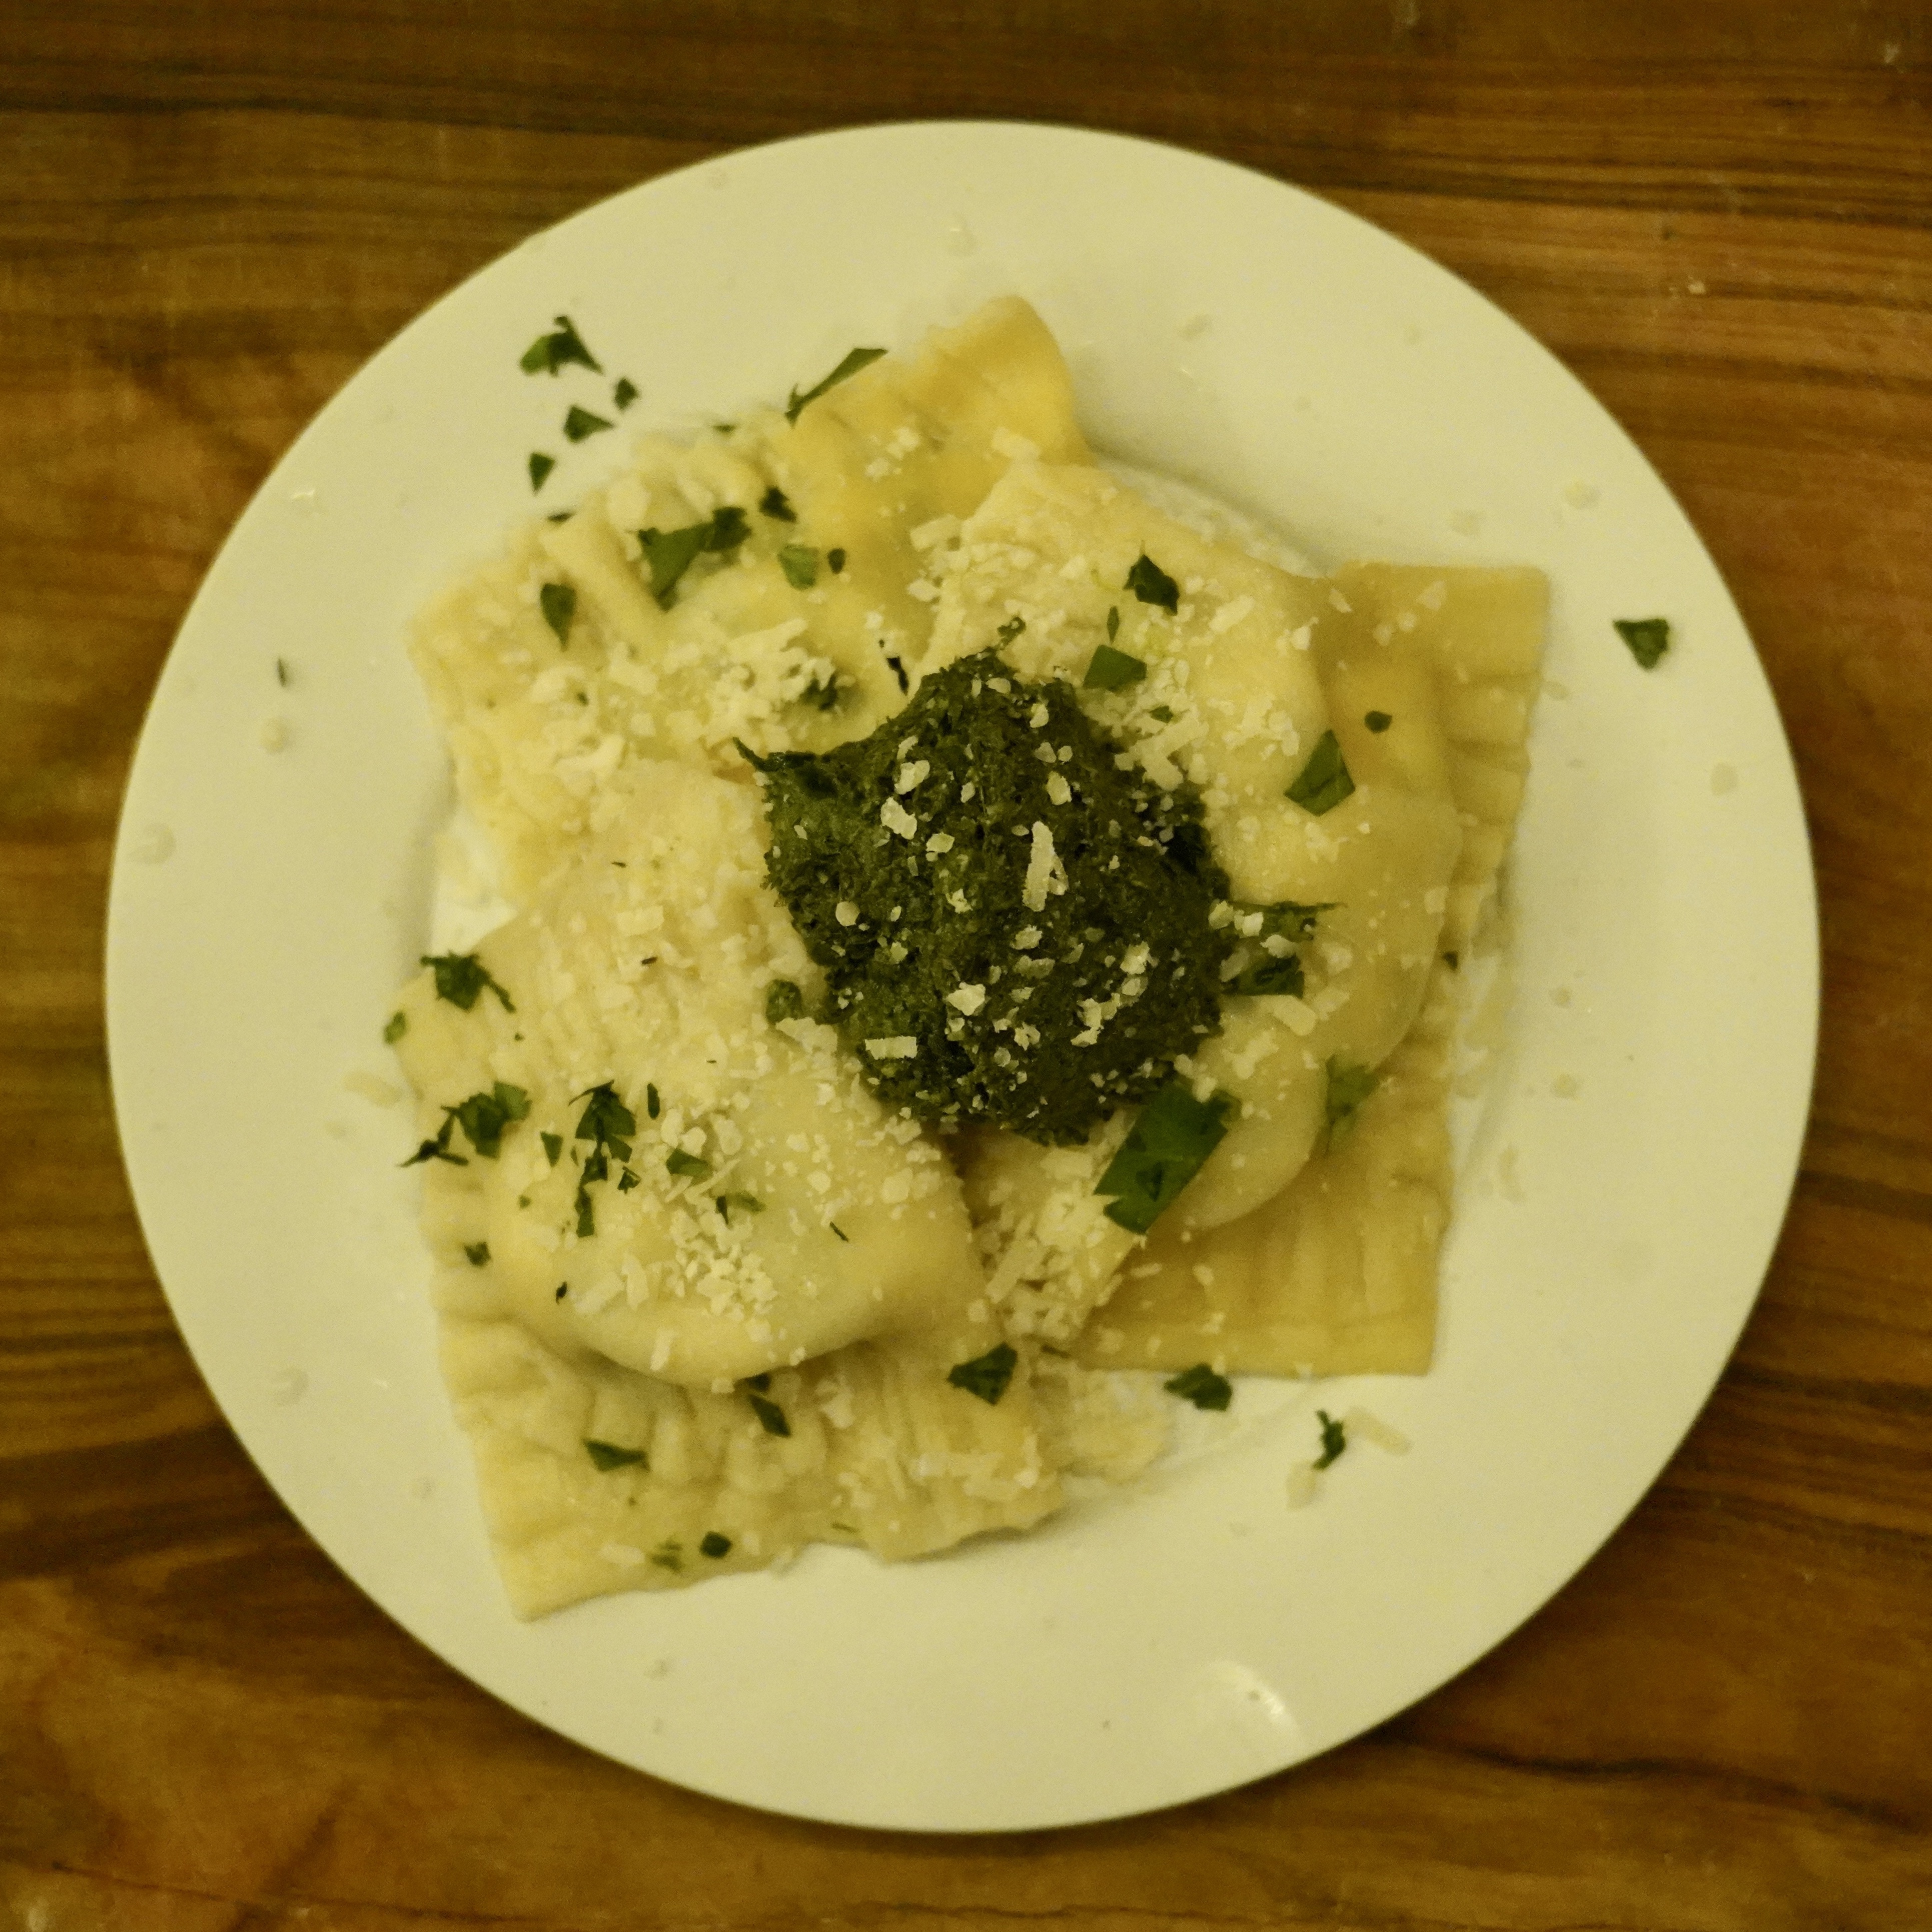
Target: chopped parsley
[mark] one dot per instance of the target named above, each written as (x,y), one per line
(581,422)
(1110,669)
(1324,782)
(1334,1438)
(438,1149)
(714,1546)
(1377,721)
(1011,629)
(839,1231)
(550,352)
(552,1147)
(608,1455)
(784,1000)
(687,1166)
(799,562)
(485,1117)
(1152,585)
(541,466)
(771,1417)
(1348,1087)
(775,504)
(1113,622)
(477,1252)
(852,362)
(651,1101)
(398,1025)
(607,1124)
(624,394)
(1268,974)
(1165,1149)
(282,672)
(558,602)
(986,1376)
(670,553)
(1648,638)
(461,978)
(835,561)
(1200,1386)
(746,1203)
(1048,959)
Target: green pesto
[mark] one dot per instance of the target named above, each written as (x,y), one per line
(1137,871)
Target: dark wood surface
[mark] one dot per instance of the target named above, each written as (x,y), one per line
(1718,215)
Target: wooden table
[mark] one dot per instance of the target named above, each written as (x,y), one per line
(1716,215)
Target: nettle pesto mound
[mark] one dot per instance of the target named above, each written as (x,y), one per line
(1014,930)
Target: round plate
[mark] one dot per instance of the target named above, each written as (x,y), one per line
(1619,1195)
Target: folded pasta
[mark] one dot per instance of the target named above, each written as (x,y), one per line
(916,837)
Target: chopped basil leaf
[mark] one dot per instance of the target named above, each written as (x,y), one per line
(730,527)
(608,1455)
(461,978)
(1324,782)
(775,503)
(559,516)
(669,1555)
(558,602)
(1200,1386)
(839,1231)
(581,422)
(1152,585)
(651,1102)
(770,1416)
(398,1025)
(550,352)
(835,561)
(687,1165)
(747,1204)
(624,394)
(1113,622)
(1377,721)
(1163,1151)
(1334,1438)
(784,1000)
(986,1376)
(478,1251)
(607,1124)
(562,1287)
(541,466)
(552,1147)
(1348,1087)
(1110,669)
(670,553)
(1268,974)
(439,1148)
(484,1117)
(1163,713)
(853,360)
(628,1180)
(799,562)
(1011,629)
(1648,638)
(713,1545)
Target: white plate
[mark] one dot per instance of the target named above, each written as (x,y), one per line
(1607,1245)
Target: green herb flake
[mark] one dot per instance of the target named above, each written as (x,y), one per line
(552,1147)
(986,1376)
(282,672)
(1110,669)
(1648,638)
(624,394)
(821,696)
(730,527)
(784,1000)
(553,351)
(799,562)
(562,1287)
(484,1118)
(776,505)
(558,602)
(628,1180)
(771,1417)
(1200,1386)
(670,553)
(1348,1087)
(608,1125)
(687,1166)
(1324,782)
(1152,585)
(608,1455)
(652,1106)
(839,1231)
(439,1148)
(835,561)
(1334,1438)
(1454,961)
(559,516)
(1377,721)
(541,466)
(1010,629)
(852,362)
(744,1204)
(461,978)
(1270,975)
(1165,1149)
(1113,623)
(581,422)
(398,1025)
(714,1546)
(477,1252)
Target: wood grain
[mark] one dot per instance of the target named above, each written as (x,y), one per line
(1720,217)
